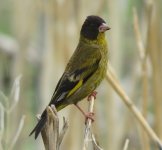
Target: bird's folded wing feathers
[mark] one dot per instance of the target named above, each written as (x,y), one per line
(76,74)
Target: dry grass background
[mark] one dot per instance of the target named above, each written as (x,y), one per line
(36,40)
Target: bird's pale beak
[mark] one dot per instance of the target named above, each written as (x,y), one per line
(103,27)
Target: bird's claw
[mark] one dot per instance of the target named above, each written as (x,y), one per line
(89,115)
(94,94)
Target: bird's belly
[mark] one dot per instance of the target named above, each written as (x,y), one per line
(91,84)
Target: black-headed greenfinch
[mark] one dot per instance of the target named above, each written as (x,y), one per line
(85,69)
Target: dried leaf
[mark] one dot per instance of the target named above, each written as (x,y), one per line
(1,120)
(17,134)
(15,93)
(3,99)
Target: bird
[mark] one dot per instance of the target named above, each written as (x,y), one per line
(84,71)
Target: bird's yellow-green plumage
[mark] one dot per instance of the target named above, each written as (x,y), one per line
(85,69)
(95,53)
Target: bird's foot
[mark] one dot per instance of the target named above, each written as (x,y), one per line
(94,94)
(89,115)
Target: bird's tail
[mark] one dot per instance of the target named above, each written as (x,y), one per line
(38,128)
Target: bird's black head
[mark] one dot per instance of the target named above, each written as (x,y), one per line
(92,26)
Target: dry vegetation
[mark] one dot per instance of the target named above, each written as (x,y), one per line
(36,40)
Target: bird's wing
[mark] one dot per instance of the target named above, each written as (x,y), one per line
(80,68)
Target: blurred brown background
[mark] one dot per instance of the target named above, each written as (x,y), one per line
(37,39)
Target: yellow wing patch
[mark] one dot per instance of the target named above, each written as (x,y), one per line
(79,84)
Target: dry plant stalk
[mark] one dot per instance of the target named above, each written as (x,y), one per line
(111,78)
(95,145)
(7,107)
(88,136)
(126,144)
(155,54)
(51,135)
(143,60)
(88,124)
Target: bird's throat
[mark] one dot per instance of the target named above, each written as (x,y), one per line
(101,40)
